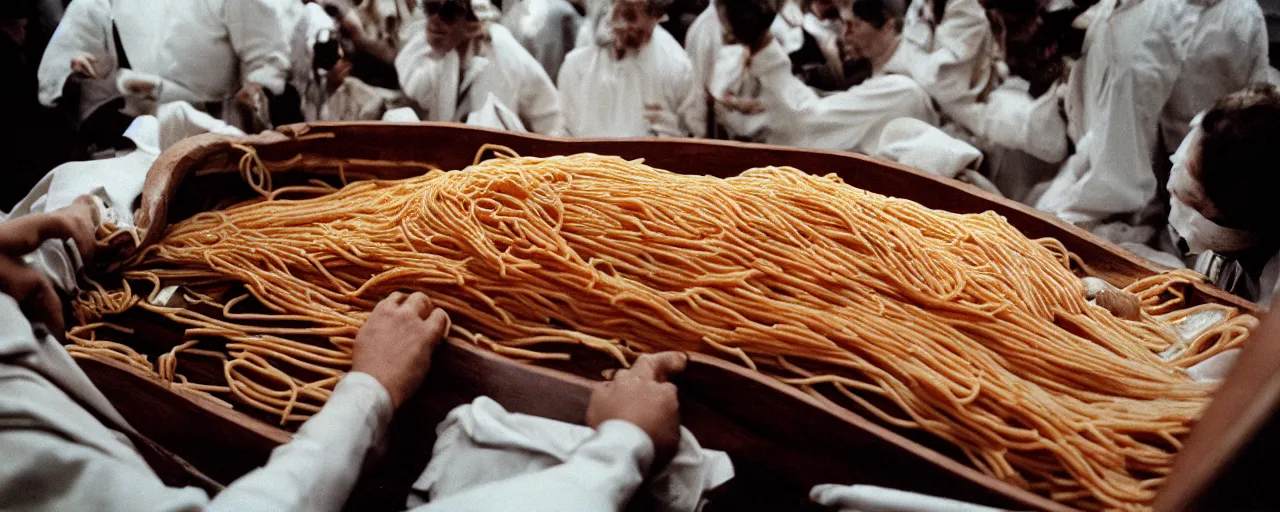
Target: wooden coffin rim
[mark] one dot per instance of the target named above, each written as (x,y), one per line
(703,372)
(404,142)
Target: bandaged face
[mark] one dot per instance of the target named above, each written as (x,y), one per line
(1190,208)
(632,24)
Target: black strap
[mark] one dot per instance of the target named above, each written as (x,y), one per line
(120,54)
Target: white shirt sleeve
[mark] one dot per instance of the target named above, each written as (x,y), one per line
(314,472)
(540,104)
(83,31)
(848,121)
(570,82)
(601,475)
(957,70)
(254,29)
(687,99)
(317,470)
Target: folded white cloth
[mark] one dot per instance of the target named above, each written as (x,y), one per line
(915,143)
(401,115)
(869,498)
(115,183)
(495,114)
(480,443)
(179,120)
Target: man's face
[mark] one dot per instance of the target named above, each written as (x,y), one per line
(862,39)
(449,24)
(632,24)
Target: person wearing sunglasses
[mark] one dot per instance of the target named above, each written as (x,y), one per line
(633,79)
(464,64)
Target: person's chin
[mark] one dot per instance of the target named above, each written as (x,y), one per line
(437,41)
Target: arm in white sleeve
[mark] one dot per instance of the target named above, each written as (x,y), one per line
(601,475)
(540,105)
(314,472)
(962,42)
(781,92)
(318,468)
(1120,178)
(569,83)
(420,70)
(83,32)
(254,29)
(688,99)
(164,90)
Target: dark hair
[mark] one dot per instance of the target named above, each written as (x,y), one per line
(1239,152)
(658,8)
(749,19)
(875,12)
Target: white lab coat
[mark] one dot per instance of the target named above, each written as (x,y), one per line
(1133,56)
(547,28)
(302,24)
(720,70)
(198,51)
(447,89)
(607,97)
(851,120)
(85,31)
(955,61)
(211,47)
(1227,51)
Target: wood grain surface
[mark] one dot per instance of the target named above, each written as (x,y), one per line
(782,441)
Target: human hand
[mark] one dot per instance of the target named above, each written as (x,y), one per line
(338,75)
(84,65)
(744,105)
(653,113)
(19,237)
(248,95)
(396,343)
(137,87)
(642,396)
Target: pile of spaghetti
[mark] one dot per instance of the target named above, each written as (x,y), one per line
(957,325)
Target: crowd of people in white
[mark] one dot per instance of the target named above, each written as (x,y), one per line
(1148,122)
(1088,110)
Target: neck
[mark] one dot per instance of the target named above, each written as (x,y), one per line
(879,61)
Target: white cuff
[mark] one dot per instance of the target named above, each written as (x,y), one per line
(625,434)
(362,388)
(269,78)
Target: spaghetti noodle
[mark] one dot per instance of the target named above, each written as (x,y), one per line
(957,325)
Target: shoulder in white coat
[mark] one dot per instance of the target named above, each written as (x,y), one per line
(85,31)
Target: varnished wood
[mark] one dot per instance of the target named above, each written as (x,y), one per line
(1228,461)
(782,441)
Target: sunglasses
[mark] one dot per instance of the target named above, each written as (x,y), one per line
(449,11)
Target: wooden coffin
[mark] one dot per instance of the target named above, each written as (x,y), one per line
(782,441)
